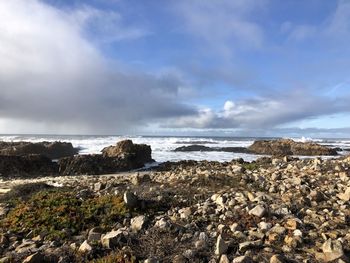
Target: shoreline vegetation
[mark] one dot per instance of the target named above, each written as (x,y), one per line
(95,208)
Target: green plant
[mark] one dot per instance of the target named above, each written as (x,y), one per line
(50,212)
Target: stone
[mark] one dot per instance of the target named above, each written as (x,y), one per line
(244,246)
(185,212)
(95,234)
(138,153)
(316,196)
(27,245)
(6,260)
(345,196)
(278,259)
(99,186)
(292,223)
(242,259)
(113,239)
(131,200)
(224,259)
(221,246)
(138,222)
(332,250)
(258,211)
(161,223)
(283,147)
(292,241)
(85,247)
(139,179)
(94,164)
(51,150)
(34,258)
(27,166)
(264,226)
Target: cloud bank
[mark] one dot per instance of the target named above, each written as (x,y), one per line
(50,72)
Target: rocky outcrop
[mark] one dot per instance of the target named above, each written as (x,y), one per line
(52,150)
(28,165)
(202,148)
(137,153)
(283,147)
(95,164)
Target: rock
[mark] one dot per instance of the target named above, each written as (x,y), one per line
(224,259)
(316,196)
(85,247)
(51,150)
(95,234)
(27,245)
(25,166)
(4,241)
(258,211)
(6,260)
(332,250)
(242,259)
(244,246)
(151,260)
(130,200)
(345,196)
(221,246)
(185,212)
(161,223)
(179,259)
(292,241)
(278,259)
(98,186)
(137,153)
(292,223)
(137,223)
(139,179)
(35,258)
(283,147)
(113,239)
(94,164)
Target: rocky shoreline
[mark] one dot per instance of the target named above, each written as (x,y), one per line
(276,209)
(280,147)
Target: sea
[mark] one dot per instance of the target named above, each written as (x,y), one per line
(163,146)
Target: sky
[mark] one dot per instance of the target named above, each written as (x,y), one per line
(177,67)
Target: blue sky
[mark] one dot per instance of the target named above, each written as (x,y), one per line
(226,67)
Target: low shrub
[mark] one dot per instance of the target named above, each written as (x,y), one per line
(58,213)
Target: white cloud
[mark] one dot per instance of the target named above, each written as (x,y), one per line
(264,112)
(50,73)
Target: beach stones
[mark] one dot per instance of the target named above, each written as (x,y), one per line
(258,211)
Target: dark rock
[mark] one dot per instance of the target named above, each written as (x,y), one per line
(202,148)
(52,150)
(94,164)
(28,165)
(137,153)
(283,147)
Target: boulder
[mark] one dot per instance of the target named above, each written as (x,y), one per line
(283,147)
(52,150)
(94,164)
(113,239)
(137,153)
(28,165)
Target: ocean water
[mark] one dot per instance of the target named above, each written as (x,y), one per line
(163,147)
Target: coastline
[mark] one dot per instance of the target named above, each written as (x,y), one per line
(202,211)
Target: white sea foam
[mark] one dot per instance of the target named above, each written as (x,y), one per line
(163,147)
